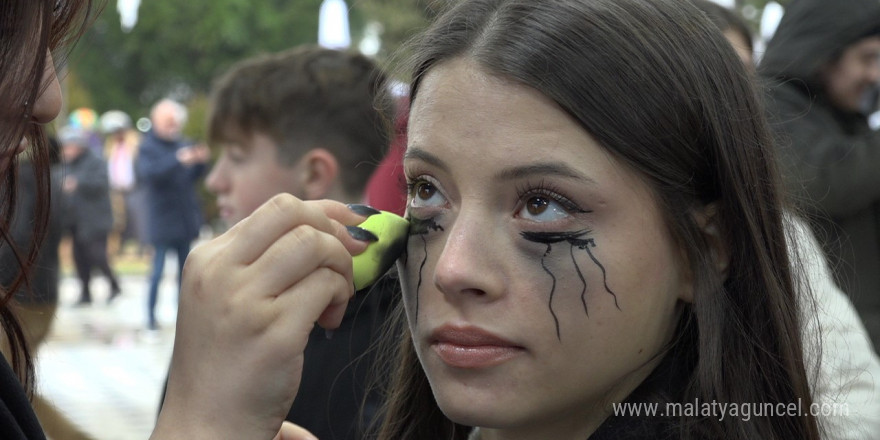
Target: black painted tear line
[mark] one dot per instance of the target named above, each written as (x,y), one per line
(552,292)
(590,243)
(583,280)
(419,285)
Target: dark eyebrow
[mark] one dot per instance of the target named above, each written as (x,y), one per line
(514,173)
(543,169)
(422,155)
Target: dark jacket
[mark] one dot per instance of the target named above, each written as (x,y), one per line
(830,158)
(339,394)
(44,273)
(87,210)
(17,418)
(173,210)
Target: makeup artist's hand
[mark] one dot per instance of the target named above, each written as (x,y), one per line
(249,299)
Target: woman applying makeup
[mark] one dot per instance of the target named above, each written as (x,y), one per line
(253,390)
(33,35)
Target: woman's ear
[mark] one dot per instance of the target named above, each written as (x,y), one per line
(709,222)
(320,169)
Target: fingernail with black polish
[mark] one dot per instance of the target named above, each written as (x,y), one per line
(361,234)
(363,210)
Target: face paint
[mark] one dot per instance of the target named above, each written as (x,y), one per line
(575,239)
(420,228)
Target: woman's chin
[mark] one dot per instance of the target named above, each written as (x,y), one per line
(474,411)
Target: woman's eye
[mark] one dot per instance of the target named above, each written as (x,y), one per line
(424,193)
(542,209)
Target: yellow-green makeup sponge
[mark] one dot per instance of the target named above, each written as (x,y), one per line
(392,231)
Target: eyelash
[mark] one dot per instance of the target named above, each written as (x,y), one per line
(546,189)
(410,184)
(524,192)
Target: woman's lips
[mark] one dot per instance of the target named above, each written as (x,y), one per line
(472,347)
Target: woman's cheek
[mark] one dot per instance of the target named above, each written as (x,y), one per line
(414,264)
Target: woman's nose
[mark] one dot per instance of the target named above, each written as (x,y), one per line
(48,103)
(468,261)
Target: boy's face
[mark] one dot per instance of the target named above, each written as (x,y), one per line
(247,175)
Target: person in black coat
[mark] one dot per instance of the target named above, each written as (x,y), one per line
(39,301)
(168,167)
(88,213)
(821,72)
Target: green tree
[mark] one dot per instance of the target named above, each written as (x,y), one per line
(179,46)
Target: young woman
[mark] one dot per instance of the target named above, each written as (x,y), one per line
(596,220)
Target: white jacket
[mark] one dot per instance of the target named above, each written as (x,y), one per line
(843,367)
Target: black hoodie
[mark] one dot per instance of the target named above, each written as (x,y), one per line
(813,32)
(830,158)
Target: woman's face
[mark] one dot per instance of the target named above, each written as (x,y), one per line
(540,280)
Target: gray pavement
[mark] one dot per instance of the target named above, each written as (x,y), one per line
(100,366)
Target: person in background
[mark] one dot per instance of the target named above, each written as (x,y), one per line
(820,71)
(846,367)
(734,28)
(38,302)
(309,121)
(386,189)
(120,149)
(168,166)
(88,215)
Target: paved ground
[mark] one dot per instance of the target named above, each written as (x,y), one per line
(100,366)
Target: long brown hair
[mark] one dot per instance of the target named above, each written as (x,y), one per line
(661,89)
(28,28)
